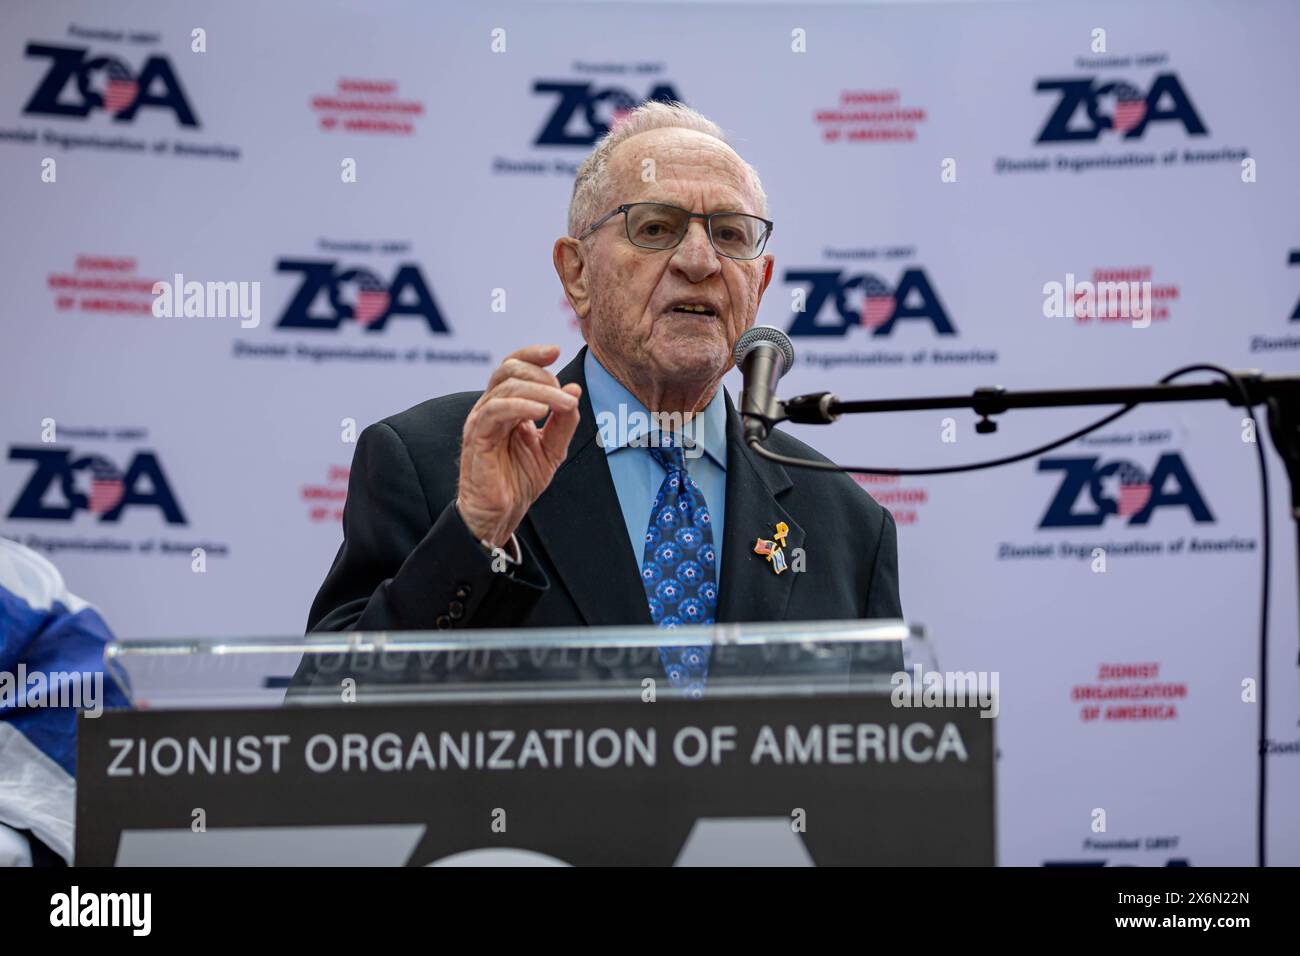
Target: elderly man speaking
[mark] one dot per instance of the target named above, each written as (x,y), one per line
(564,523)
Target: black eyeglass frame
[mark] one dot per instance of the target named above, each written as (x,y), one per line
(708,226)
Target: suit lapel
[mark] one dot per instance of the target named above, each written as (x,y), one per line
(579,525)
(749,590)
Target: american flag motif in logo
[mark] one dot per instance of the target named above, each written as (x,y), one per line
(620,106)
(877,303)
(121,90)
(1134,489)
(106,488)
(372,299)
(1130,108)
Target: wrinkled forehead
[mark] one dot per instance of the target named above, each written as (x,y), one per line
(683,167)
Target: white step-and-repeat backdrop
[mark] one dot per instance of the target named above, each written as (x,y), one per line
(382,183)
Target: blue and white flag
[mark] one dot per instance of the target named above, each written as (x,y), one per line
(51,666)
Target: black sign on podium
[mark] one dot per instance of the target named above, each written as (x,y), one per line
(536,748)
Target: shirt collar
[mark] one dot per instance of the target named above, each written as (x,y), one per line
(621,418)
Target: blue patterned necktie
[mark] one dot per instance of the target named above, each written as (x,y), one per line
(679,569)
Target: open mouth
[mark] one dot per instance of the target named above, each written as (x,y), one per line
(694,309)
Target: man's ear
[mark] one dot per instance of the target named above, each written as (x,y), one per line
(769,261)
(571,267)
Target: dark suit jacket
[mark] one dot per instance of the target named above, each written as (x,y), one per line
(409,562)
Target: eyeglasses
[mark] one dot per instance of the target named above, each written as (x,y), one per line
(656,225)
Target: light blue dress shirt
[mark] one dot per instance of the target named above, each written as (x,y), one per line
(620,419)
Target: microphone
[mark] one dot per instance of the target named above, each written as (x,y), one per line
(763,354)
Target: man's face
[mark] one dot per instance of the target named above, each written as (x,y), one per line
(636,323)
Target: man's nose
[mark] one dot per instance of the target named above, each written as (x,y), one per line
(695,258)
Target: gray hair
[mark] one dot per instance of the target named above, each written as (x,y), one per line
(589,185)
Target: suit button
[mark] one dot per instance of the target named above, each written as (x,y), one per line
(462,592)
(456,610)
(443,622)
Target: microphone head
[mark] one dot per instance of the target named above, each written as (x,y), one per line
(759,334)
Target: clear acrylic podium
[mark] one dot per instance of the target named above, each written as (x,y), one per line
(535,747)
